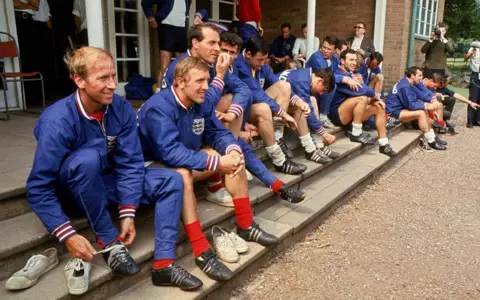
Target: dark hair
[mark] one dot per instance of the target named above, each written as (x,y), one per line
(443,24)
(304,25)
(256,44)
(328,79)
(196,32)
(412,71)
(376,56)
(341,43)
(438,78)
(331,40)
(232,39)
(363,24)
(344,53)
(286,25)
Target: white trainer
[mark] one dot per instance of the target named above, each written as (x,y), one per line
(221,197)
(240,244)
(36,266)
(249,175)
(223,245)
(77,273)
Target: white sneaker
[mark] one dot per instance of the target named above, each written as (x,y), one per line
(77,273)
(223,245)
(325,121)
(240,245)
(36,266)
(221,197)
(249,175)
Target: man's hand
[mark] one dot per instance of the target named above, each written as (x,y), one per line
(328,138)
(352,83)
(303,106)
(378,103)
(289,121)
(231,164)
(80,247)
(430,106)
(260,29)
(127,231)
(153,24)
(228,117)
(473,105)
(223,62)
(247,136)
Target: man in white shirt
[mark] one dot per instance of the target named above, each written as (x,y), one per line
(80,17)
(359,42)
(300,46)
(473,116)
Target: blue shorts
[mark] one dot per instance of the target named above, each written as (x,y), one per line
(335,117)
(396,114)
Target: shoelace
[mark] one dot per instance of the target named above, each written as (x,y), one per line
(179,274)
(75,263)
(224,241)
(32,262)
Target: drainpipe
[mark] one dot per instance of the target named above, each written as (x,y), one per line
(310,28)
(412,33)
(379,29)
(94,12)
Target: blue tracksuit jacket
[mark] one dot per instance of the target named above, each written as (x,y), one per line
(172,134)
(64,128)
(242,96)
(403,96)
(317,61)
(300,81)
(343,90)
(164,7)
(423,94)
(363,70)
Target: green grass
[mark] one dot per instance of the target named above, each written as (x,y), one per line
(461,91)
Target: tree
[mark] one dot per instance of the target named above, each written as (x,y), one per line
(463,19)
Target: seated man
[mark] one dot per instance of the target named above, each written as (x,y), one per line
(203,41)
(300,47)
(339,47)
(251,69)
(282,47)
(402,104)
(425,93)
(88,157)
(178,128)
(325,58)
(371,72)
(231,44)
(358,106)
(305,84)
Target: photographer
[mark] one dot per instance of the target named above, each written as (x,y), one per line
(473,116)
(435,51)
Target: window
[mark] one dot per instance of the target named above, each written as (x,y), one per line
(222,11)
(426,17)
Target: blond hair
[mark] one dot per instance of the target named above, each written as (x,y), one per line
(186,64)
(81,60)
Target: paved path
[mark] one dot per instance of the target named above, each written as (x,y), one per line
(415,234)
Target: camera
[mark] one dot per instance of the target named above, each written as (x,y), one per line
(438,32)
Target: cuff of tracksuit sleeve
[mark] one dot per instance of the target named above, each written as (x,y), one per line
(235,109)
(233,147)
(64,231)
(212,163)
(294,99)
(218,82)
(320,130)
(151,19)
(280,112)
(127,211)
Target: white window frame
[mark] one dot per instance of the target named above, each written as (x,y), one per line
(215,11)
(423,31)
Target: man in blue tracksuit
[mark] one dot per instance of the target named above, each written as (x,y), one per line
(358,106)
(88,158)
(276,98)
(325,58)
(231,44)
(179,129)
(305,84)
(402,103)
(203,41)
(371,72)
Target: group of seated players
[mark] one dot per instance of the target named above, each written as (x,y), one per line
(94,152)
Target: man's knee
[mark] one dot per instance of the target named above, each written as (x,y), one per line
(86,161)
(186,176)
(379,77)
(262,111)
(283,86)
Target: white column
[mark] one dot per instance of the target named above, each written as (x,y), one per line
(311,27)
(379,30)
(96,34)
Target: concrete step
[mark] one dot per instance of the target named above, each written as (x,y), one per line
(284,219)
(142,250)
(12,190)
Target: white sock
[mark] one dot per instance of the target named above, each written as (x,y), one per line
(356,129)
(278,127)
(383,141)
(307,143)
(429,136)
(317,140)
(276,154)
(322,117)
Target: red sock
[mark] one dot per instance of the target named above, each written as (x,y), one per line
(276,186)
(197,238)
(162,263)
(215,182)
(243,211)
(442,122)
(101,245)
(431,116)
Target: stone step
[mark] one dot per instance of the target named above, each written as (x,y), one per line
(12,190)
(284,219)
(142,250)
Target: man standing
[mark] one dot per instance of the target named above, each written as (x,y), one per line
(249,17)
(282,48)
(80,18)
(359,42)
(435,51)
(171,28)
(474,56)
